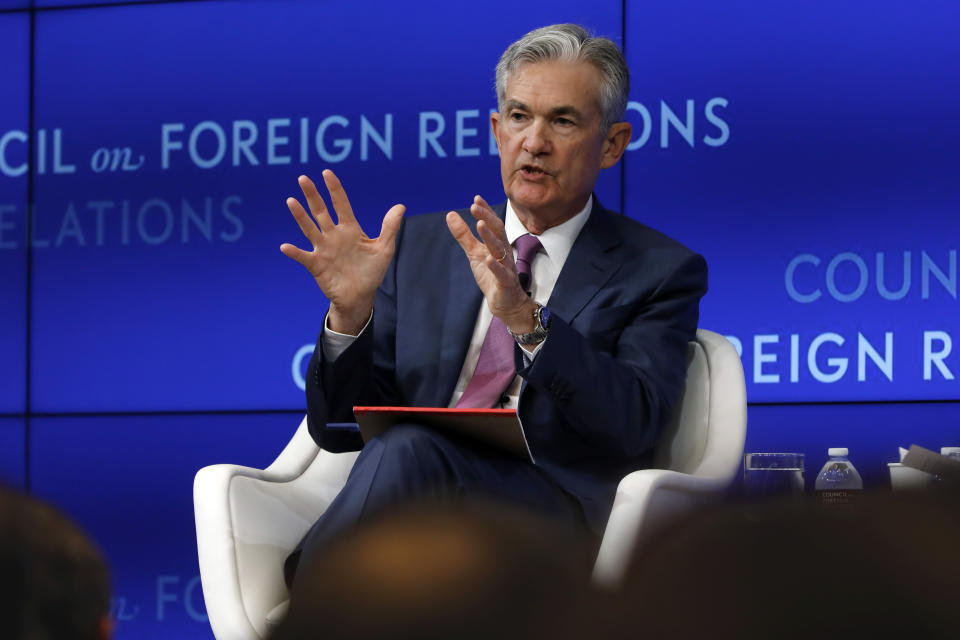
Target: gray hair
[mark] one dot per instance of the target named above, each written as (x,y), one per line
(572,43)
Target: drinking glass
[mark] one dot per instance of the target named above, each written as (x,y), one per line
(768,474)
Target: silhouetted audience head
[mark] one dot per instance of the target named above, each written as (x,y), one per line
(463,572)
(885,567)
(54,583)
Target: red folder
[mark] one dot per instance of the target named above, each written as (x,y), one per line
(498,427)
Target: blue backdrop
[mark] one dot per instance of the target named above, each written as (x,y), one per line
(149,325)
(14,123)
(827,206)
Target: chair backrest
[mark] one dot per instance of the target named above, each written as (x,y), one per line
(684,439)
(706,435)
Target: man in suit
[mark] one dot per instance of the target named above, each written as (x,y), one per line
(574,315)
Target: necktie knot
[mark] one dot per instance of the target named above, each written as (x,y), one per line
(527,247)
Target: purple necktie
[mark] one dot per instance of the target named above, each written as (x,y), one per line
(495,370)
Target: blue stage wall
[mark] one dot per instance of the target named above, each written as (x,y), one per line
(14,124)
(12,459)
(808,151)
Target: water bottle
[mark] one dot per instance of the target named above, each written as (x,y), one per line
(838,482)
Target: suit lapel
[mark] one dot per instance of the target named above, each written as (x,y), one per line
(591,263)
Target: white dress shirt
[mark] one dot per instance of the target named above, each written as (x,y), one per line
(556,243)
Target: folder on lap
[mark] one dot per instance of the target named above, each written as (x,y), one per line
(498,427)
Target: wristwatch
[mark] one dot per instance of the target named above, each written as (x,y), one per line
(541,315)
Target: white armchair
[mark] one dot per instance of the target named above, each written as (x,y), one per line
(248,520)
(696,459)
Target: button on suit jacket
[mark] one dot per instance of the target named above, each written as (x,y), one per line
(605,381)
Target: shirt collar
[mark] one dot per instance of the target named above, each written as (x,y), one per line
(556,241)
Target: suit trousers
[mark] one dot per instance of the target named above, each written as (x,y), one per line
(410,462)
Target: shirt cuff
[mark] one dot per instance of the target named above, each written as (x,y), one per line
(335,343)
(528,356)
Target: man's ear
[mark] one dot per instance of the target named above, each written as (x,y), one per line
(615,143)
(494,126)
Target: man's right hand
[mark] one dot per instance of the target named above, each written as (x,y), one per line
(347,265)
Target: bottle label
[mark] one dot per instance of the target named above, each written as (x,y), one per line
(838,496)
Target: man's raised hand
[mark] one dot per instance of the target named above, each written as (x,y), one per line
(347,265)
(491,259)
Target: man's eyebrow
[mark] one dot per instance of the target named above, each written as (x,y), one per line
(563,110)
(566,110)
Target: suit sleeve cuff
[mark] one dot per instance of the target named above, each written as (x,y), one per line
(335,343)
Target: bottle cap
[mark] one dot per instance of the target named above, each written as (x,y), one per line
(837,452)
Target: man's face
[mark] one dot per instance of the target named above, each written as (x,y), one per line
(551,145)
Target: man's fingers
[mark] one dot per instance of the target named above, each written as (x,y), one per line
(505,275)
(498,248)
(391,223)
(316,204)
(480,201)
(303,220)
(483,211)
(338,197)
(461,232)
(296,253)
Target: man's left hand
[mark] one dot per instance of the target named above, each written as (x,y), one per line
(493,266)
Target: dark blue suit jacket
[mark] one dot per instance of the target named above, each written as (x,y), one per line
(606,379)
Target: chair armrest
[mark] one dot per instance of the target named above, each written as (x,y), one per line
(229,502)
(647,500)
(246,525)
(217,550)
(643,483)
(249,519)
(295,457)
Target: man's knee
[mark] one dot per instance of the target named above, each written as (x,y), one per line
(412,443)
(408,462)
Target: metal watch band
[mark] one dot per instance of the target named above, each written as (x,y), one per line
(541,315)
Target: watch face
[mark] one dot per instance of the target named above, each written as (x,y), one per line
(544,317)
